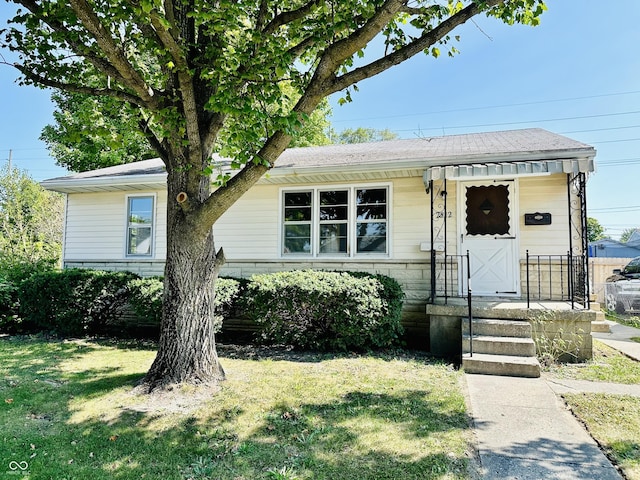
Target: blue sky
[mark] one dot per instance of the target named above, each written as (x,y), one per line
(577,74)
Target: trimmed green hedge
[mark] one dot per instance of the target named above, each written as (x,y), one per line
(78,302)
(332,311)
(9,320)
(329,311)
(145,297)
(71,302)
(12,273)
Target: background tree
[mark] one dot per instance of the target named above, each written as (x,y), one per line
(595,231)
(626,234)
(30,222)
(92,132)
(363,135)
(205,77)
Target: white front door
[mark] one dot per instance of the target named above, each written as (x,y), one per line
(489,214)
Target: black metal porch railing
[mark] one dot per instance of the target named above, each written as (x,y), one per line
(454,281)
(561,278)
(557,278)
(452,276)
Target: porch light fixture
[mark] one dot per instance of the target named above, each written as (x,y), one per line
(486,207)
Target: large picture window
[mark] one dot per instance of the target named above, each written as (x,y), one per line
(140,214)
(345,221)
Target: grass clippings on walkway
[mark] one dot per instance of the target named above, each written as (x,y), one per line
(607,365)
(67,411)
(614,421)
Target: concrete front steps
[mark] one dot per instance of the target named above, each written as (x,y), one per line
(600,324)
(500,347)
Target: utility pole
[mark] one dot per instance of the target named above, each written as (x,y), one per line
(10,152)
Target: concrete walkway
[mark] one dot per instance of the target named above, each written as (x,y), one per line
(524,430)
(620,339)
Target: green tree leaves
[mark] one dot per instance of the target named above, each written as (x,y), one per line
(30,220)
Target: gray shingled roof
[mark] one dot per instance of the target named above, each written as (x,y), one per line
(446,150)
(474,148)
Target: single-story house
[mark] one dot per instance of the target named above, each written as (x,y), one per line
(510,204)
(610,248)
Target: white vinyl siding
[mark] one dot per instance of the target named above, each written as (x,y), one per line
(96,226)
(544,194)
(249,229)
(411,218)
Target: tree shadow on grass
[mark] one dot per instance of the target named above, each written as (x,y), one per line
(258,352)
(310,440)
(28,355)
(357,435)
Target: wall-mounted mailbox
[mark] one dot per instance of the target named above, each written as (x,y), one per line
(537,218)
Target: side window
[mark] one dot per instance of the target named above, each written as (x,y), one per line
(348,221)
(140,226)
(334,217)
(297,223)
(371,220)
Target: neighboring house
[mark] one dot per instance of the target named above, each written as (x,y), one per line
(610,248)
(634,239)
(404,208)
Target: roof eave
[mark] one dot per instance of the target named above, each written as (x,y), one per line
(71,185)
(582,153)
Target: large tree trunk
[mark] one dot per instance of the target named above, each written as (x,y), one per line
(187,350)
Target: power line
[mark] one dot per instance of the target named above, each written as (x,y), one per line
(620,209)
(599,129)
(487,107)
(560,119)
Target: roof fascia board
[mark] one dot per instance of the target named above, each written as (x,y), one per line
(71,184)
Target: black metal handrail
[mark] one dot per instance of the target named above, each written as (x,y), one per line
(452,276)
(469,308)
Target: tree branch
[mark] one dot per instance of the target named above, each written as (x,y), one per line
(345,48)
(79,48)
(221,199)
(143,125)
(185,80)
(211,131)
(300,48)
(130,77)
(409,50)
(68,87)
(285,18)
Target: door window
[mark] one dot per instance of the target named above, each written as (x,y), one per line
(487,210)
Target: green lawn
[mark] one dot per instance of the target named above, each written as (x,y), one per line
(614,421)
(607,365)
(67,411)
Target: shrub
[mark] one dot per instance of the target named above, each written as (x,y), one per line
(145,297)
(71,302)
(326,310)
(9,320)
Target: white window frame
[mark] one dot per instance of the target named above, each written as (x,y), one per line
(351,222)
(127,226)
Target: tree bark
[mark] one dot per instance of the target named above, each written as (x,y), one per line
(187,349)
